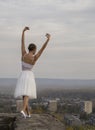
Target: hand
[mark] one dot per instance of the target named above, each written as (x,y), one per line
(48,35)
(26,28)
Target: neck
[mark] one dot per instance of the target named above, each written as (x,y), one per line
(31,53)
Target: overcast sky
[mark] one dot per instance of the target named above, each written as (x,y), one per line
(71,50)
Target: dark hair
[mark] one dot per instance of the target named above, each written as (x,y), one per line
(32,47)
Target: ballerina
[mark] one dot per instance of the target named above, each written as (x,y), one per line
(26,86)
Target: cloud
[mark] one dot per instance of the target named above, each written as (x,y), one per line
(71,23)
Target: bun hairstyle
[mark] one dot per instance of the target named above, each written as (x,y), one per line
(32,47)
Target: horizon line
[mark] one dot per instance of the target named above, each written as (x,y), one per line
(52,78)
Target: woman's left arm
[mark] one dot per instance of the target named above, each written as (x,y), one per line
(23,50)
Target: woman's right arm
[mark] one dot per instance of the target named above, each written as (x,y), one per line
(23,50)
(42,48)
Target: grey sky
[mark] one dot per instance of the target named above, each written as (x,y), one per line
(71,23)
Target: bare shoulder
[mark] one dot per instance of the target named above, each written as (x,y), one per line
(23,56)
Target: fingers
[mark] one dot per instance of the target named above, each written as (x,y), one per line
(48,35)
(26,28)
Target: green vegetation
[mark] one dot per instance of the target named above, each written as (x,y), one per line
(81,128)
(38,109)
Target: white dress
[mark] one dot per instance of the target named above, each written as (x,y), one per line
(26,85)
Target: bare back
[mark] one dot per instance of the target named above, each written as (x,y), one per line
(28,58)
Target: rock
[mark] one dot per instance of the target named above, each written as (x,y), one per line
(7,122)
(36,122)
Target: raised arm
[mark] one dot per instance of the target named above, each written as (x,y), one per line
(42,48)
(23,50)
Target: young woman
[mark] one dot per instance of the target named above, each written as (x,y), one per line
(26,86)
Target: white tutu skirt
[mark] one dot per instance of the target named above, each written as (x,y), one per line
(26,85)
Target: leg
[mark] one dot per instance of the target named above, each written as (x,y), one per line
(27,107)
(25,104)
(27,110)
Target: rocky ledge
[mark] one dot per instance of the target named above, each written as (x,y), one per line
(36,122)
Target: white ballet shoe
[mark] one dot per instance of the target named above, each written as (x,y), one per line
(24,115)
(28,116)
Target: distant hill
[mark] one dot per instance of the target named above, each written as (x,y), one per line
(8,84)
